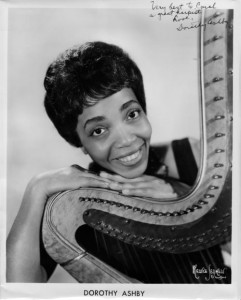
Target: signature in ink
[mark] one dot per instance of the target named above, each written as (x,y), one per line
(204,25)
(210,273)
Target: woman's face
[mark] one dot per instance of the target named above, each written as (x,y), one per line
(116,133)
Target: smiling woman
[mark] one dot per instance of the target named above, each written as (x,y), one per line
(95,98)
(105,113)
(117,138)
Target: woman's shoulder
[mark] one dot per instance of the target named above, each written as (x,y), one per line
(171,153)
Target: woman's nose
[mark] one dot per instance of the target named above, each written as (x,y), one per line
(124,137)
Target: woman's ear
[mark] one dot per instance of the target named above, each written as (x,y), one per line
(84,150)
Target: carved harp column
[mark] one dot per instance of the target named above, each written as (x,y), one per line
(199,220)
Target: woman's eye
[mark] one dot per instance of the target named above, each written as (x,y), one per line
(134,114)
(98,131)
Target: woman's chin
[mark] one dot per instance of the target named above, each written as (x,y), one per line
(132,172)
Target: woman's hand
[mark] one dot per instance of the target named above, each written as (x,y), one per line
(68,178)
(143,186)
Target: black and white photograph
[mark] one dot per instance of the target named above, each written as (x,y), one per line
(119,166)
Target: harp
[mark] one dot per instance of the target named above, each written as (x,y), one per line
(196,221)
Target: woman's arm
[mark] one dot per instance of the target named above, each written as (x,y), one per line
(23,243)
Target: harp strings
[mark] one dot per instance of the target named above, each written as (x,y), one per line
(158,267)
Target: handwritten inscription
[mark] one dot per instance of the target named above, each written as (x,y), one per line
(185,15)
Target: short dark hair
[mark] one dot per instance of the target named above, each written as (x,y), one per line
(83,75)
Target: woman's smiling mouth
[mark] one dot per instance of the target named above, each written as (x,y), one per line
(131,159)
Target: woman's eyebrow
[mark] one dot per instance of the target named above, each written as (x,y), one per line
(94,120)
(127,104)
(102,118)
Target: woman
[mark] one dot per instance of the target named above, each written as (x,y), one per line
(95,98)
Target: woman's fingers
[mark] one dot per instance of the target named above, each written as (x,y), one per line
(86,175)
(94,182)
(154,189)
(151,187)
(154,185)
(116,178)
(144,186)
(71,178)
(85,179)
(150,193)
(119,178)
(116,186)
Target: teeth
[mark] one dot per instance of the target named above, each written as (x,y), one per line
(130,157)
